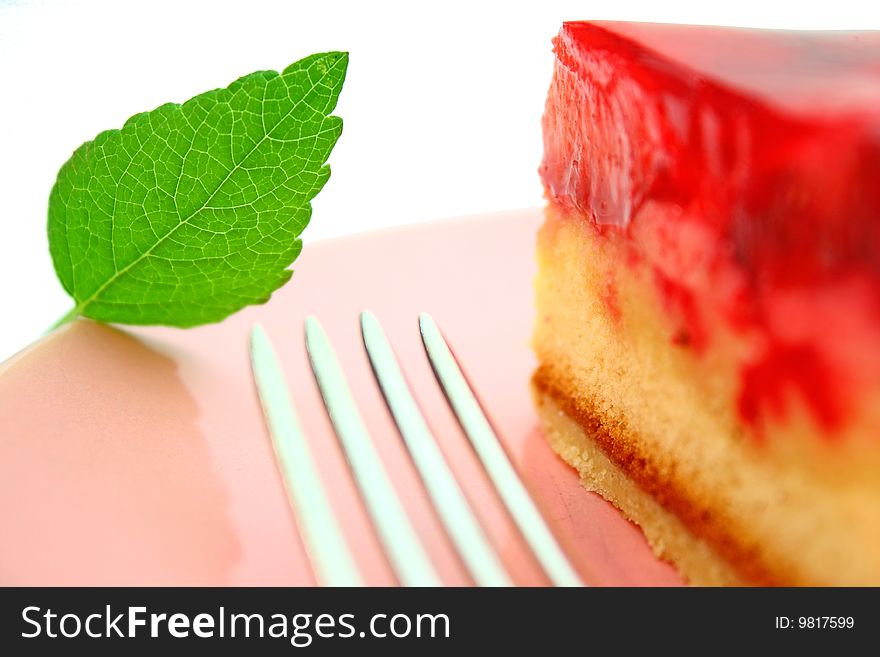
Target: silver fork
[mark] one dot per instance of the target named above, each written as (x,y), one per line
(328,552)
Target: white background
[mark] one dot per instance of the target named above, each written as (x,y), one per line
(442,104)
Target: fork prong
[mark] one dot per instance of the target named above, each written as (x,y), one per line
(488,448)
(463,527)
(331,560)
(402,545)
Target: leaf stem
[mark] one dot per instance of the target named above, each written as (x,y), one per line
(72,314)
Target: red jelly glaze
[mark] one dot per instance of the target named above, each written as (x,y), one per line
(785,369)
(609,298)
(770,140)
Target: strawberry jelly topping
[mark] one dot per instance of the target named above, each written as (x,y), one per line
(766,145)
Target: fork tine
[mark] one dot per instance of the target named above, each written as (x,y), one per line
(449,500)
(331,559)
(501,471)
(405,552)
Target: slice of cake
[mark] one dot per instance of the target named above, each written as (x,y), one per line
(708,327)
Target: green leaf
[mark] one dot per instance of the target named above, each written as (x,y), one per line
(191,212)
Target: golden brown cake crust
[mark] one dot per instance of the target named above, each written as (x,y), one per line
(670,539)
(622,448)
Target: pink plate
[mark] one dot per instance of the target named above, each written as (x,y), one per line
(140,456)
